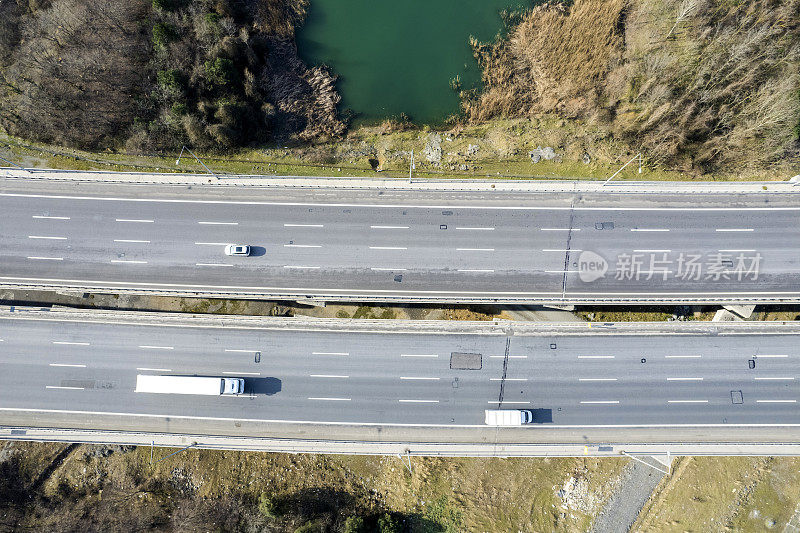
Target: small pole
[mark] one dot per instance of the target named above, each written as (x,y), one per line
(152,445)
(640,163)
(177,161)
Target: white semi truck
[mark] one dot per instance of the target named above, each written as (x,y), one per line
(508,417)
(189,385)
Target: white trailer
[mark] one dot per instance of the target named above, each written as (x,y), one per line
(189,385)
(508,417)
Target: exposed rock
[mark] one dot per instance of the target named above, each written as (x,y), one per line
(546,153)
(586,158)
(433,149)
(472,149)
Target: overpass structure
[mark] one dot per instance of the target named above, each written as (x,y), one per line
(360,386)
(562,244)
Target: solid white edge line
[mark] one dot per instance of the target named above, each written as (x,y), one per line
(50,218)
(72,343)
(67,365)
(374,424)
(207,223)
(733,229)
(776,401)
(47,238)
(768,356)
(63,388)
(46,258)
(774,379)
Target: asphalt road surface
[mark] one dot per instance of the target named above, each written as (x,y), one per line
(79,370)
(404,246)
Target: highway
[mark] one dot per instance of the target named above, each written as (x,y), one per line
(403,246)
(360,373)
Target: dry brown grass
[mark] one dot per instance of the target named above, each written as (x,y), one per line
(705,84)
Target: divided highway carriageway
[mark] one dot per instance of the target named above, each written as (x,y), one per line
(402,246)
(78,369)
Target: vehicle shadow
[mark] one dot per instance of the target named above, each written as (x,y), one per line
(257,251)
(542,416)
(266,386)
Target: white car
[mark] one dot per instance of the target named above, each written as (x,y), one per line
(237,249)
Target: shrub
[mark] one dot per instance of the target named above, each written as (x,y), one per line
(170,81)
(164,5)
(353,524)
(163,34)
(267,506)
(388,524)
(220,72)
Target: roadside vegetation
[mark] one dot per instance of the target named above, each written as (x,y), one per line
(700,84)
(57,487)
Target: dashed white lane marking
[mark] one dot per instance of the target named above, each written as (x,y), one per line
(510,356)
(770,356)
(68,365)
(131,240)
(509,403)
(733,229)
(146,369)
(559,250)
(151,347)
(776,401)
(682,356)
(653,251)
(475,270)
(389,227)
(302,267)
(388,248)
(565,271)
(476,228)
(419,378)
(597,379)
(508,379)
(62,388)
(45,258)
(475,249)
(687,401)
(388,269)
(213,223)
(559,229)
(239,351)
(135,220)
(47,238)
(213,264)
(129,261)
(418,401)
(304,225)
(330,353)
(596,356)
(330,399)
(600,401)
(649,229)
(50,218)
(302,246)
(684,379)
(332,376)
(736,251)
(71,343)
(213,243)
(787,378)
(417,355)
(242,373)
